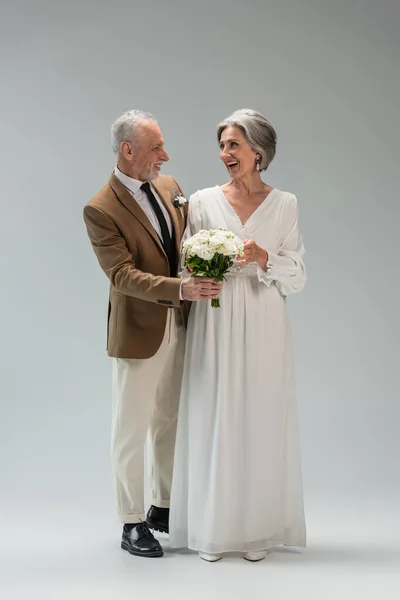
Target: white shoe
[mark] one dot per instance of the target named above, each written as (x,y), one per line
(210,557)
(255,556)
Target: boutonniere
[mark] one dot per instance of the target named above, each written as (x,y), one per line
(179,201)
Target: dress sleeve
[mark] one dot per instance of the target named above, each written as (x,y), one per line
(286,268)
(194,221)
(193,225)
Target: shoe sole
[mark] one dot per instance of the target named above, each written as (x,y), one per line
(157,527)
(255,560)
(155,554)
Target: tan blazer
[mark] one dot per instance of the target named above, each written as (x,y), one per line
(131,255)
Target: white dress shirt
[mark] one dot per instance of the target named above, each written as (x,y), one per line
(133,186)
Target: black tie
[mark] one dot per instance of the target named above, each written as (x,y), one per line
(166,239)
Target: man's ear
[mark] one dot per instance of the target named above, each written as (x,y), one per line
(126,150)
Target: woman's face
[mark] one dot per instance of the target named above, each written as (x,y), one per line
(236,153)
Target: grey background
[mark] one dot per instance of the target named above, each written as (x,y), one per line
(327,75)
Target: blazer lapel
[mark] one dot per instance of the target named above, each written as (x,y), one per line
(130,204)
(174,217)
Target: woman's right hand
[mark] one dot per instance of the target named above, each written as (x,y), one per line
(187,266)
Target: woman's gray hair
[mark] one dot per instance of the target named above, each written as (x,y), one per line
(257,130)
(126,127)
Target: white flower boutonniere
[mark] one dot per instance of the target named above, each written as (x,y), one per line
(179,201)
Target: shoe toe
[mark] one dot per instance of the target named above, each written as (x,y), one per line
(255,556)
(210,557)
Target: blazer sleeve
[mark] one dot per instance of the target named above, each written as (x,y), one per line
(117,263)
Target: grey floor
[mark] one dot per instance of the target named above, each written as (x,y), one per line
(352,553)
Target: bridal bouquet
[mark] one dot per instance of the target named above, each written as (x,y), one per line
(211,252)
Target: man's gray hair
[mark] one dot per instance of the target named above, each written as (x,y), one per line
(257,130)
(126,127)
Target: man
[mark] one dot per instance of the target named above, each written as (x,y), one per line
(135,226)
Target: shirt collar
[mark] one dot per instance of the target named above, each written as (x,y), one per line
(133,185)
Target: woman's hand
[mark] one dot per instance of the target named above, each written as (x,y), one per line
(253,253)
(187,266)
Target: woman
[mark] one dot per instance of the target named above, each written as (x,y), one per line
(237,475)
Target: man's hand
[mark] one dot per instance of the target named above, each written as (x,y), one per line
(200,288)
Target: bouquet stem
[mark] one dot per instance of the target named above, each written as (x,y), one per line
(215,303)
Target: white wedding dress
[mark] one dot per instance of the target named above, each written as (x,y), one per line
(237,482)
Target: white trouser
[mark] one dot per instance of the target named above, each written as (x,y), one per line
(145,404)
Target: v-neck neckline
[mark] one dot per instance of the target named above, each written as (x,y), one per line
(254,211)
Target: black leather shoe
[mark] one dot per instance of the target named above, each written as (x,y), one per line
(158,519)
(141,542)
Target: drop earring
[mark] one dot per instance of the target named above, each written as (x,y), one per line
(258,163)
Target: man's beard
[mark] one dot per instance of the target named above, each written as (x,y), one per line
(148,176)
